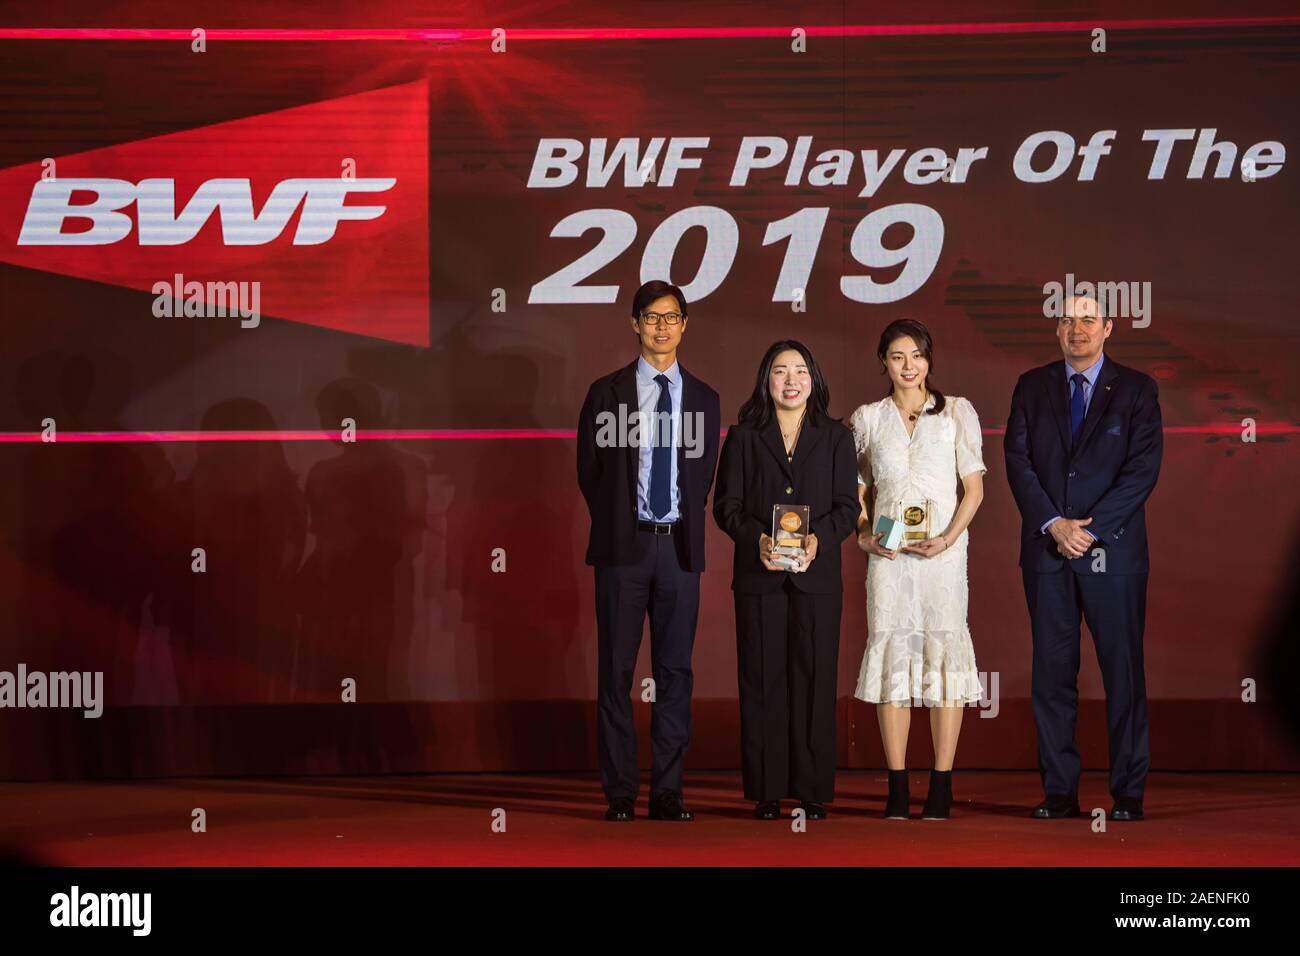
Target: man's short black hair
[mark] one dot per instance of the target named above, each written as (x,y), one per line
(656,289)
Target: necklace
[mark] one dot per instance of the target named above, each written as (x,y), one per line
(785,436)
(911,416)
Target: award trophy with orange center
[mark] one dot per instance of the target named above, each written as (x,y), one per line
(789,536)
(915,513)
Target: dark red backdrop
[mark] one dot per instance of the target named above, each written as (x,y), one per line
(374,561)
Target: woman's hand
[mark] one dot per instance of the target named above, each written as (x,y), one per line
(870,543)
(929,548)
(765,553)
(810,549)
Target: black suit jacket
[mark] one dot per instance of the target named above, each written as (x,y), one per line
(607,476)
(754,475)
(1108,475)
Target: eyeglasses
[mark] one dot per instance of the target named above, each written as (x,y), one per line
(654,318)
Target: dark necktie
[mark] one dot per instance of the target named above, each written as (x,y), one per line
(1077,404)
(661,466)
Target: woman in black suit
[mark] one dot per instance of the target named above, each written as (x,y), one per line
(786,449)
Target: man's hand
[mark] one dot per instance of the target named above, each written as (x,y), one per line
(1071,540)
(765,553)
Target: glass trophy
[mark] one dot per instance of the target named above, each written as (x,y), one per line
(915,515)
(789,535)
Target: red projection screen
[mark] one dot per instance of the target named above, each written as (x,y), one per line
(440,240)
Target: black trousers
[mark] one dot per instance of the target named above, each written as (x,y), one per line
(656,585)
(787,653)
(1114,605)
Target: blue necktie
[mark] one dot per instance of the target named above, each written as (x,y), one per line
(661,465)
(1076,404)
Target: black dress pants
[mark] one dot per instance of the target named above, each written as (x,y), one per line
(656,585)
(787,651)
(1114,605)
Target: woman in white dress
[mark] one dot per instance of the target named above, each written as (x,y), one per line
(913,447)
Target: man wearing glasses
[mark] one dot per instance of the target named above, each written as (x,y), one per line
(647,500)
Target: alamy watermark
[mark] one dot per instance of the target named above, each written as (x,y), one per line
(79,909)
(208,300)
(1128,300)
(76,690)
(637,429)
(935,689)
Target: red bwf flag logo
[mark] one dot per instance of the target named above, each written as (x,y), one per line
(324,205)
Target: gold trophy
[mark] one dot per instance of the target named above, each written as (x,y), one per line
(915,515)
(789,535)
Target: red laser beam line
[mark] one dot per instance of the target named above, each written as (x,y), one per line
(473,434)
(639,33)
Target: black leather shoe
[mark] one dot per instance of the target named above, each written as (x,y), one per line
(620,810)
(767,810)
(668,806)
(812,811)
(898,806)
(1057,807)
(1127,809)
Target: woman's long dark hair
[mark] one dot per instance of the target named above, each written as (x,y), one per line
(921,336)
(759,408)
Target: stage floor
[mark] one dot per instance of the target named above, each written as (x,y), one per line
(556,820)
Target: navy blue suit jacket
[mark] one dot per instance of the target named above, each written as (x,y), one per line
(607,476)
(1107,475)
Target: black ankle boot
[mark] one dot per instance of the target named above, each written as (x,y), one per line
(897,806)
(939,799)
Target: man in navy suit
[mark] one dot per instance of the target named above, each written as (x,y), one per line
(646,488)
(1083,449)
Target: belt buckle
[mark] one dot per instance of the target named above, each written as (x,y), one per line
(663,529)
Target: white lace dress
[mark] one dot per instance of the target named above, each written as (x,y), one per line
(919,648)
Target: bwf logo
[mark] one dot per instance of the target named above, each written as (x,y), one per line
(325,205)
(158,224)
(74,908)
